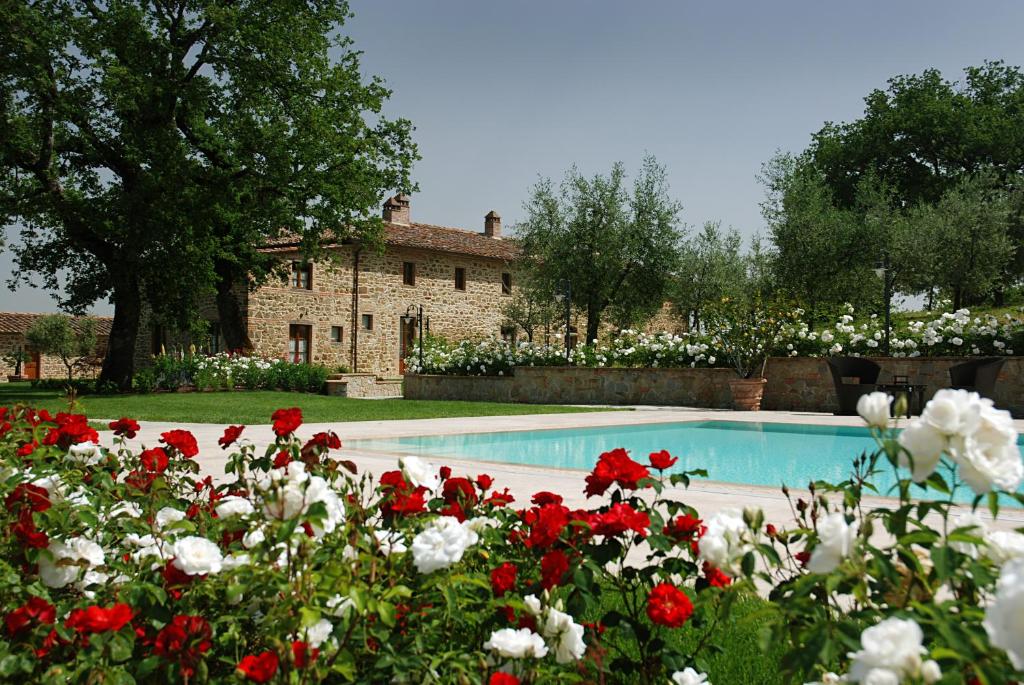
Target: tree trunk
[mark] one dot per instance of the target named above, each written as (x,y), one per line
(119,364)
(958,297)
(232,327)
(593,324)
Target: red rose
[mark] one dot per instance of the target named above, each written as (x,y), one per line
(37,498)
(668,606)
(259,668)
(323,440)
(803,558)
(286,421)
(500,499)
(139,480)
(615,467)
(500,678)
(553,567)
(96,619)
(770,531)
(125,426)
(71,429)
(282,459)
(620,518)
(184,640)
(459,491)
(444,472)
(662,460)
(231,434)
(36,609)
(26,449)
(484,482)
(302,654)
(546,524)
(684,528)
(503,579)
(181,440)
(715,576)
(155,460)
(26,531)
(544,497)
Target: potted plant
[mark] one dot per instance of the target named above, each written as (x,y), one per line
(16,358)
(747,333)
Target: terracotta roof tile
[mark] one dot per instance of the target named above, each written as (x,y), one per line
(437,238)
(19,322)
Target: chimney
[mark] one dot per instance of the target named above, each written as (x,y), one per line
(396,209)
(492,225)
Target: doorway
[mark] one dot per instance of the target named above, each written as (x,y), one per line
(30,369)
(407,340)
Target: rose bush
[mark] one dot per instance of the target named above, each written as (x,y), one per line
(294,567)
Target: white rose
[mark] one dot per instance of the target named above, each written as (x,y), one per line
(925,443)
(988,456)
(930,672)
(85,454)
(953,412)
(339,605)
(253,538)
(84,549)
(441,544)
(726,541)
(51,571)
(828,679)
(168,515)
(874,409)
(532,604)
(835,542)
(318,633)
(893,645)
(880,676)
(390,541)
(690,677)
(197,556)
(125,509)
(233,505)
(420,473)
(1003,545)
(1004,617)
(567,636)
(517,644)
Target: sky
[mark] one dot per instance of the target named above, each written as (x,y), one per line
(502,93)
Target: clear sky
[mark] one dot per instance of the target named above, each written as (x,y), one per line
(503,92)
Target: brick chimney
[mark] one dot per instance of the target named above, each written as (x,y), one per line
(492,225)
(396,209)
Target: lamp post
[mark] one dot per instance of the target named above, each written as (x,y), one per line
(415,313)
(884,271)
(563,293)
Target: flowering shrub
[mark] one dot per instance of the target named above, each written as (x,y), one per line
(121,566)
(739,345)
(227,371)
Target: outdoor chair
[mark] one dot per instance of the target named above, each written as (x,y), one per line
(978,375)
(865,374)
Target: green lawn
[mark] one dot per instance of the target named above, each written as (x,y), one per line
(255,407)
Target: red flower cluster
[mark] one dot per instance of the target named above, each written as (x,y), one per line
(184,641)
(503,579)
(619,518)
(399,497)
(181,440)
(125,426)
(35,610)
(714,576)
(28,495)
(615,467)
(154,460)
(686,528)
(553,567)
(459,495)
(96,619)
(500,678)
(329,440)
(544,497)
(669,606)
(27,448)
(71,429)
(27,533)
(286,421)
(231,434)
(259,668)
(546,524)
(662,460)
(302,654)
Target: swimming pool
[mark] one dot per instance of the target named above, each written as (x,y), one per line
(732,451)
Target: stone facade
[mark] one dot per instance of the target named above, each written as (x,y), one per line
(794,384)
(363,385)
(13,327)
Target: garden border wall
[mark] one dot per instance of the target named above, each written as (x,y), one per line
(794,384)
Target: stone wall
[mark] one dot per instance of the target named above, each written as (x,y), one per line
(794,384)
(363,385)
(49,366)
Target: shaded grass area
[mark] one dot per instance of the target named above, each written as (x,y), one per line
(740,660)
(255,407)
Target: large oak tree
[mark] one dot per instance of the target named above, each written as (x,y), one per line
(150,148)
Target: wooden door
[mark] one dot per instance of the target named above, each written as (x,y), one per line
(30,369)
(407,340)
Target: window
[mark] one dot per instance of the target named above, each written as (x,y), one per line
(460,278)
(367,322)
(508,334)
(506,284)
(302,275)
(409,273)
(214,341)
(299,343)
(337,334)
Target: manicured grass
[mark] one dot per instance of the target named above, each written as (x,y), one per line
(255,407)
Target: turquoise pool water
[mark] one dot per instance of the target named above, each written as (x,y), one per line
(732,451)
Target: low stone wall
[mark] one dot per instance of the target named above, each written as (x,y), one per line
(363,385)
(794,384)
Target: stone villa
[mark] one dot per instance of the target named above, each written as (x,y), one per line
(360,310)
(14,326)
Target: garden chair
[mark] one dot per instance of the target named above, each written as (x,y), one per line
(865,374)
(977,375)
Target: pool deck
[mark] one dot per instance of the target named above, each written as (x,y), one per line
(707,496)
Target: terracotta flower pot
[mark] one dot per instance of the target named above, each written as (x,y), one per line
(747,393)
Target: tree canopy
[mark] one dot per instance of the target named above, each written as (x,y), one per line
(151,149)
(618,249)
